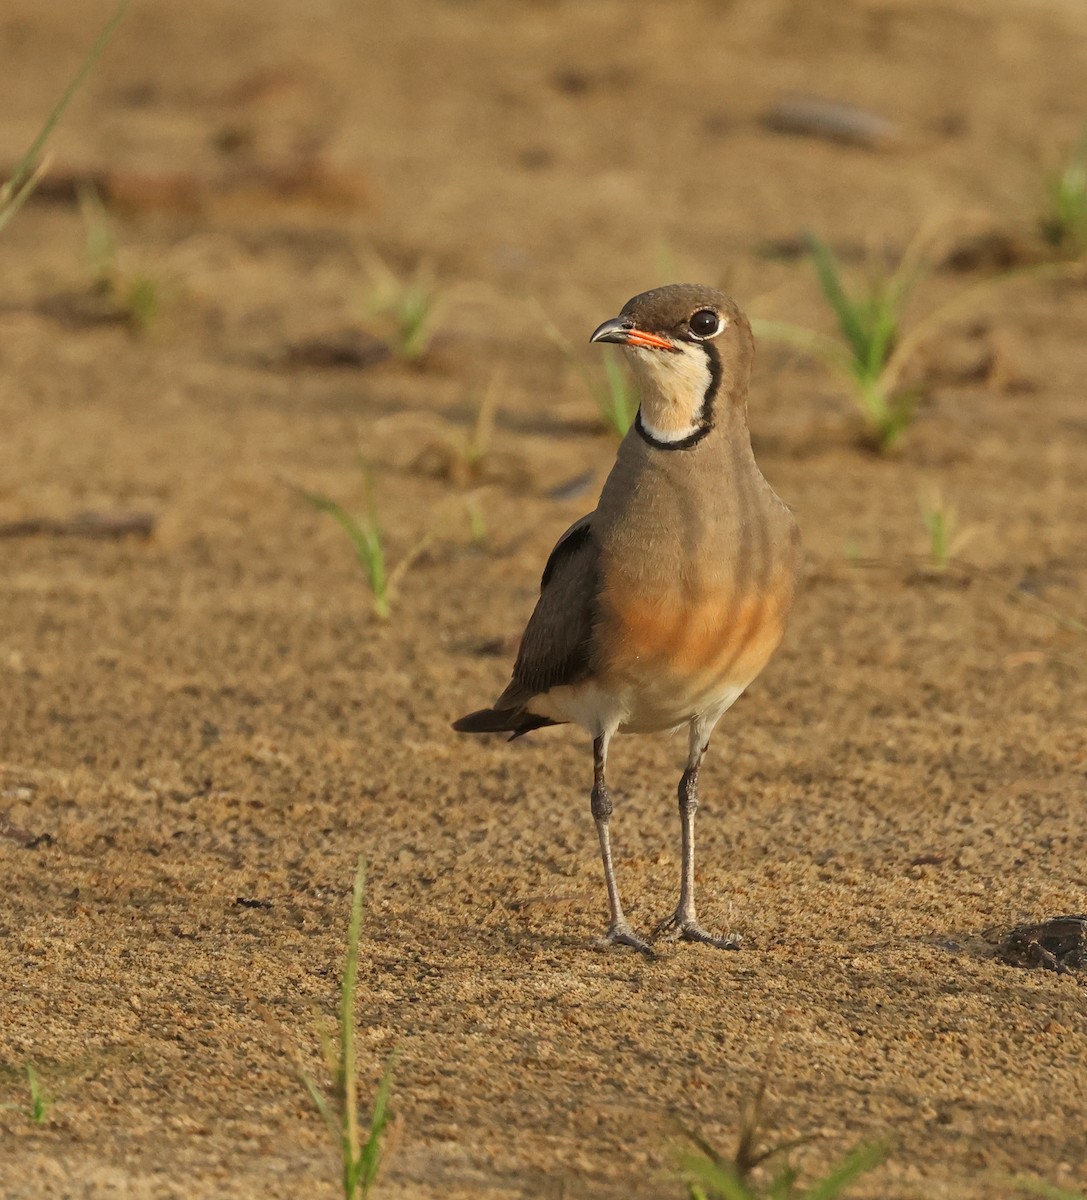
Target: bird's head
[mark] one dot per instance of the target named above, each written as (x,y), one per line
(690,347)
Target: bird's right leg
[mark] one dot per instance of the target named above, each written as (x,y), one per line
(619,931)
(683,924)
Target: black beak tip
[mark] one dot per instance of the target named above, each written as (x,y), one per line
(614,330)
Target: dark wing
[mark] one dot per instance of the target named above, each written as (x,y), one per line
(558,640)
(557,643)
(556,647)
(571,541)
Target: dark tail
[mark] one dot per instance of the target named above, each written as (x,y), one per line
(514,721)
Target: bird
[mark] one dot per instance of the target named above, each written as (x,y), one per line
(659,608)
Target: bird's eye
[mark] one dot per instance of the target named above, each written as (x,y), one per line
(704,323)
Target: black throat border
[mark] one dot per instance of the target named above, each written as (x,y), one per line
(704,419)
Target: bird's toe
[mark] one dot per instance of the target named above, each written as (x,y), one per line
(623,935)
(679,929)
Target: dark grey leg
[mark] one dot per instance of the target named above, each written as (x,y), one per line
(683,924)
(619,931)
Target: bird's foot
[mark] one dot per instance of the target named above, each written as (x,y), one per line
(677,928)
(621,934)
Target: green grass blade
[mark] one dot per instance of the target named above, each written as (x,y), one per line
(620,402)
(40,1100)
(379,577)
(373,1150)
(101,244)
(142,300)
(616,382)
(410,307)
(899,417)
(361,1159)
(913,265)
(25,167)
(346,1076)
(321,1103)
(882,331)
(858,1162)
(345,520)
(366,541)
(702,1143)
(714,1179)
(830,281)
(1064,223)
(782,1186)
(11,203)
(905,280)
(784,1148)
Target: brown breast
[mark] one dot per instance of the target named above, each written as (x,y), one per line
(697,566)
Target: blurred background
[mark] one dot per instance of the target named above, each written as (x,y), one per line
(295,398)
(237,190)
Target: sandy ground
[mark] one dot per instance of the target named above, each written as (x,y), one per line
(203,730)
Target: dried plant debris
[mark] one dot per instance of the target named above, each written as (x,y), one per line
(15,833)
(1058,944)
(994,249)
(307,179)
(114,524)
(813,116)
(572,487)
(346,348)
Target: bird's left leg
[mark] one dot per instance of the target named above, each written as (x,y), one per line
(619,931)
(683,924)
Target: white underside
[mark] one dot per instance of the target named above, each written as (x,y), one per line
(602,712)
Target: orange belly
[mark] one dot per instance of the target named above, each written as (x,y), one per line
(689,648)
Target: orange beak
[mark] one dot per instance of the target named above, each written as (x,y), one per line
(623,331)
(639,337)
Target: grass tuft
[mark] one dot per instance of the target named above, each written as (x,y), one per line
(141,300)
(461,456)
(874,346)
(758,1171)
(16,190)
(477,522)
(711,1177)
(940,520)
(368,541)
(136,298)
(1063,224)
(366,537)
(477,442)
(362,1152)
(869,333)
(410,306)
(40,1101)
